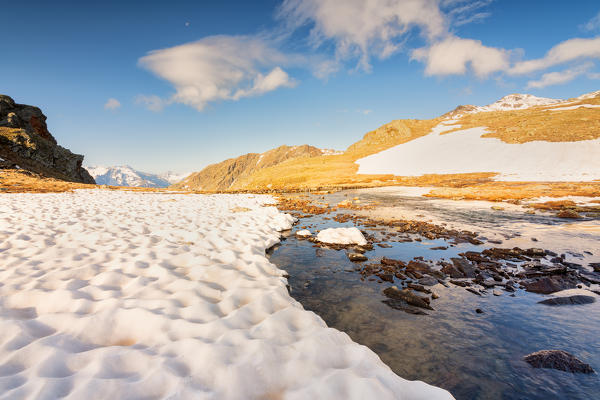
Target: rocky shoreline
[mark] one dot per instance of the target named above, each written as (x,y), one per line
(492,271)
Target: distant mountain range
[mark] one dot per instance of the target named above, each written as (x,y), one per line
(519,137)
(124,175)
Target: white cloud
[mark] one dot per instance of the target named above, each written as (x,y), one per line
(112,104)
(378,28)
(453,55)
(593,24)
(569,50)
(559,77)
(152,103)
(363,29)
(220,68)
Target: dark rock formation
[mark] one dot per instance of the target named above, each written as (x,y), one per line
(26,142)
(558,359)
(568,300)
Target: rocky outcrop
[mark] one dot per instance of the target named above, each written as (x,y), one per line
(25,142)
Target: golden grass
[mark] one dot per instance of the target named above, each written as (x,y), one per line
(499,191)
(21,181)
(340,171)
(538,123)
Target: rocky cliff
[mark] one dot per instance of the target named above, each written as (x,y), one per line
(26,143)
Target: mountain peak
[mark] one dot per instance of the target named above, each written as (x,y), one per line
(125,175)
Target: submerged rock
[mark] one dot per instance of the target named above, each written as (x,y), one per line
(558,359)
(407,296)
(568,300)
(400,305)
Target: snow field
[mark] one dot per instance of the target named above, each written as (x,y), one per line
(112,294)
(465,151)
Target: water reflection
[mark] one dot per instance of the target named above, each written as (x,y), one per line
(475,356)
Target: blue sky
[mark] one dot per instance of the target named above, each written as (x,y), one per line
(194,83)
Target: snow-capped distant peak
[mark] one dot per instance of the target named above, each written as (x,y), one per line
(517,102)
(174,177)
(124,175)
(588,96)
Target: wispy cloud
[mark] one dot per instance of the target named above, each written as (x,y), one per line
(567,51)
(152,102)
(592,25)
(219,68)
(112,104)
(559,77)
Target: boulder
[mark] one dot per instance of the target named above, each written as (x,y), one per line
(549,284)
(558,359)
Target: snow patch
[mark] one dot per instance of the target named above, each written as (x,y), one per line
(342,236)
(330,152)
(573,107)
(303,233)
(112,294)
(517,102)
(465,151)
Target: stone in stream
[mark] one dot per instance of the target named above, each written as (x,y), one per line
(451,270)
(548,284)
(474,291)
(459,283)
(418,288)
(568,300)
(572,214)
(391,262)
(400,305)
(386,277)
(464,266)
(407,296)
(558,359)
(496,292)
(418,267)
(356,257)
(428,281)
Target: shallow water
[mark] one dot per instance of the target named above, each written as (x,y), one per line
(474,356)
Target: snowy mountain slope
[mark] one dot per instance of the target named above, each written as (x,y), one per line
(466,151)
(126,176)
(517,102)
(173,177)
